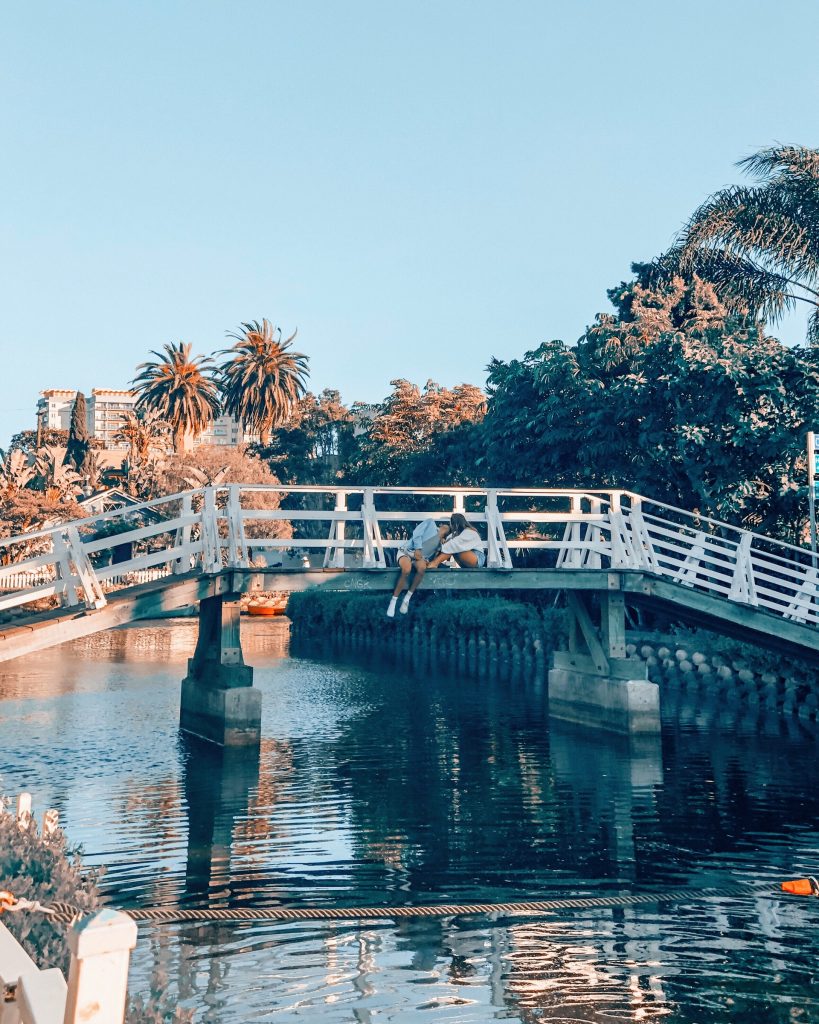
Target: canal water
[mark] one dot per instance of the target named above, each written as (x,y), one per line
(377,786)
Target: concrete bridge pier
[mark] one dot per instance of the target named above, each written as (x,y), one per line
(593,683)
(219,702)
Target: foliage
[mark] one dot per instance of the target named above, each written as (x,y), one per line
(179,389)
(262,380)
(672,396)
(77,447)
(417,435)
(147,437)
(43,868)
(28,441)
(316,613)
(48,869)
(212,465)
(316,444)
(759,245)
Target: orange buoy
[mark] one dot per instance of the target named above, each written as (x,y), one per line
(802,887)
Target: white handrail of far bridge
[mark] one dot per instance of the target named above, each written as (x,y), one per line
(209,529)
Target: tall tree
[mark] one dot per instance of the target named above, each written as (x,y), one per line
(77,450)
(262,380)
(759,245)
(674,397)
(179,389)
(410,438)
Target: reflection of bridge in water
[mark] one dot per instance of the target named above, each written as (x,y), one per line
(604,549)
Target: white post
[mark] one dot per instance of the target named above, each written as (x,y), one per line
(334,555)
(743,586)
(51,822)
(41,996)
(24,810)
(63,566)
(182,540)
(497,549)
(373,546)
(236,528)
(211,551)
(94,597)
(98,978)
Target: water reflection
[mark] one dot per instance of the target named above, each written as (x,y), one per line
(377,786)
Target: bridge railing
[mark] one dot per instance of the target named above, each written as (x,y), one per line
(207,529)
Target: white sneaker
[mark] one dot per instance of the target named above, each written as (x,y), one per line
(391,608)
(405,604)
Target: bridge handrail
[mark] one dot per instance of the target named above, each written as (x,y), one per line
(209,528)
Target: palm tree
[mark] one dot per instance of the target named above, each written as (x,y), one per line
(180,389)
(759,245)
(146,436)
(262,380)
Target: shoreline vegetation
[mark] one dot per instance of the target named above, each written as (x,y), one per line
(45,867)
(491,637)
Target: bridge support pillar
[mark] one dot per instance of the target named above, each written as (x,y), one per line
(593,682)
(219,702)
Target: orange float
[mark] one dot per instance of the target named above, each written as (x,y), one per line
(802,887)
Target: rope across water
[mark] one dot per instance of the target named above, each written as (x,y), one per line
(178,915)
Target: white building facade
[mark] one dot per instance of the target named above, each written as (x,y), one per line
(106,409)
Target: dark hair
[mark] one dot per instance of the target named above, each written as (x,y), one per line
(458,523)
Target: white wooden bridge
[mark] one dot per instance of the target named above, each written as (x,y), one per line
(78,578)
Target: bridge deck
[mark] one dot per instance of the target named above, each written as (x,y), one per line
(174,593)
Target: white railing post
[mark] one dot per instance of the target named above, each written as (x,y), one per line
(98,978)
(334,554)
(63,566)
(458,502)
(570,554)
(41,997)
(687,572)
(743,587)
(211,549)
(373,545)
(642,546)
(182,540)
(805,598)
(94,596)
(594,535)
(237,546)
(24,811)
(497,553)
(14,963)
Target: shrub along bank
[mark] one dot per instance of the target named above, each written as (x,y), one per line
(476,635)
(42,867)
(487,635)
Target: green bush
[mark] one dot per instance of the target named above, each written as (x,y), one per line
(46,868)
(316,614)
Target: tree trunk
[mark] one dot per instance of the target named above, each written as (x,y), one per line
(181,440)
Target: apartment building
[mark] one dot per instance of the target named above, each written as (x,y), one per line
(106,409)
(224,430)
(54,409)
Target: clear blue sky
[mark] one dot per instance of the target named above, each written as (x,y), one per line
(416,186)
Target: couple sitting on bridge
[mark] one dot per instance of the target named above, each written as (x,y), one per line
(432,545)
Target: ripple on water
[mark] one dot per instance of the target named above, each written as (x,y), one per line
(373,786)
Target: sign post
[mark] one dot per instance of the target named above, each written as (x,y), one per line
(813,472)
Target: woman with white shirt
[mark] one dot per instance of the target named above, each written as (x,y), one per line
(463,543)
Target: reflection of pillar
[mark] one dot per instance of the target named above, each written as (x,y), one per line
(217,783)
(593,682)
(616,774)
(219,702)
